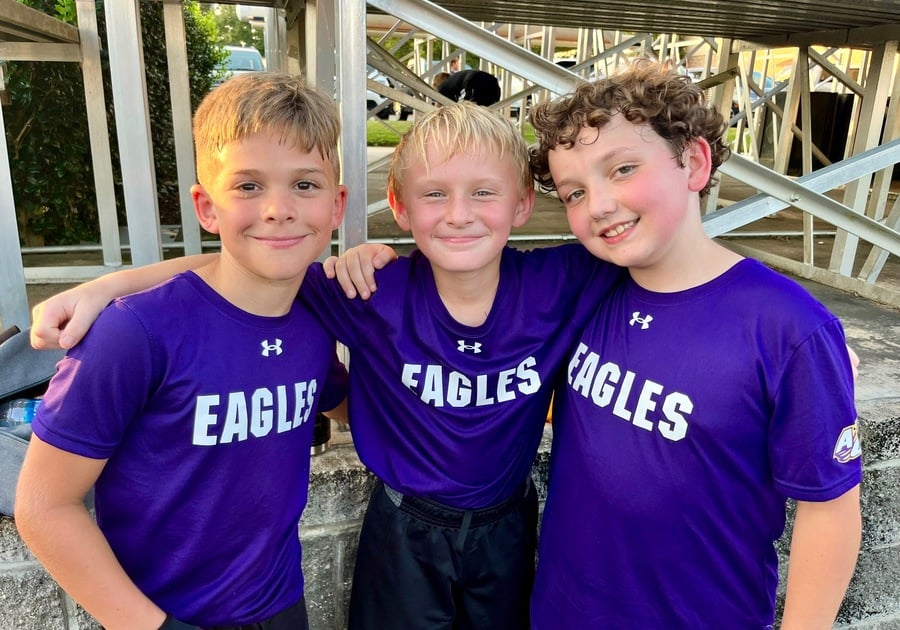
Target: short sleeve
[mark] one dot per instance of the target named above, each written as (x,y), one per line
(335,311)
(100,386)
(813,441)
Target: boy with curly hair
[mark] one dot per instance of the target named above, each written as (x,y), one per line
(704,392)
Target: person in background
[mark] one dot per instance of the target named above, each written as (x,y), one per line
(190,406)
(700,396)
(477,86)
(439,78)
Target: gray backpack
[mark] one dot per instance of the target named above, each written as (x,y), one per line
(24,373)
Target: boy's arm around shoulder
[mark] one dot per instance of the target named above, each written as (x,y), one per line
(62,320)
(824,548)
(56,526)
(355,268)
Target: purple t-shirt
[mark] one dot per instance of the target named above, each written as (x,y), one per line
(205,413)
(450,412)
(682,423)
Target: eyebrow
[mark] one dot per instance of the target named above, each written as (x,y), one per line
(255,172)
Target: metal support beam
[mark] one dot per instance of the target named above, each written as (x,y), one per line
(868,132)
(491,47)
(351,61)
(806,147)
(126,62)
(877,257)
(795,194)
(788,120)
(180,98)
(30,51)
(98,132)
(822,180)
(13,298)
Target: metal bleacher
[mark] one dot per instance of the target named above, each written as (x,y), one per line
(734,48)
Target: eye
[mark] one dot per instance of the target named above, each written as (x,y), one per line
(626,169)
(484,193)
(434,194)
(306,185)
(572,196)
(247,187)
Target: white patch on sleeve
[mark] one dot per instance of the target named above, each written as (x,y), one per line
(847,447)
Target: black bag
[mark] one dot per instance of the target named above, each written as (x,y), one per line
(24,373)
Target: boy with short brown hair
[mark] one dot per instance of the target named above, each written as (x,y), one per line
(190,406)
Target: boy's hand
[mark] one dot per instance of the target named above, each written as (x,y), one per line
(64,319)
(854,362)
(355,269)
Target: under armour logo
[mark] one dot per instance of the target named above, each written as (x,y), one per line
(268,348)
(462,346)
(643,321)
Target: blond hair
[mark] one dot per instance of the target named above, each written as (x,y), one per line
(264,102)
(459,128)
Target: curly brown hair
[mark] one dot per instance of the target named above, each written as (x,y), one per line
(646,92)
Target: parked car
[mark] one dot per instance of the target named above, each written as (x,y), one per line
(374,99)
(241,61)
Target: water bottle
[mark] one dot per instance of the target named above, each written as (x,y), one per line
(18,411)
(321,434)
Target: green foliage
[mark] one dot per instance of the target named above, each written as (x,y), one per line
(46,125)
(203,57)
(48,145)
(235,32)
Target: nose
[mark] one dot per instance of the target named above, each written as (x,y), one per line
(279,207)
(601,204)
(458,211)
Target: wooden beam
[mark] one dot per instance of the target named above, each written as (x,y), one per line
(22,23)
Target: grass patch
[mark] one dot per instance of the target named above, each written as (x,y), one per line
(387,133)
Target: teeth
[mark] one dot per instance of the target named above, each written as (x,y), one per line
(618,229)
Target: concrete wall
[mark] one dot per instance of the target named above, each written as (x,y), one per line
(30,599)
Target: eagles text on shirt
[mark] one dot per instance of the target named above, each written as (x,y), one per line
(438,386)
(642,402)
(243,415)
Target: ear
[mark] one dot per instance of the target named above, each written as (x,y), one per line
(698,162)
(205,209)
(340,206)
(524,207)
(399,211)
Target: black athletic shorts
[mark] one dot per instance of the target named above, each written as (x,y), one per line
(291,618)
(424,565)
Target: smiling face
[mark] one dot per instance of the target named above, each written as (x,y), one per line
(461,208)
(274,208)
(628,199)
